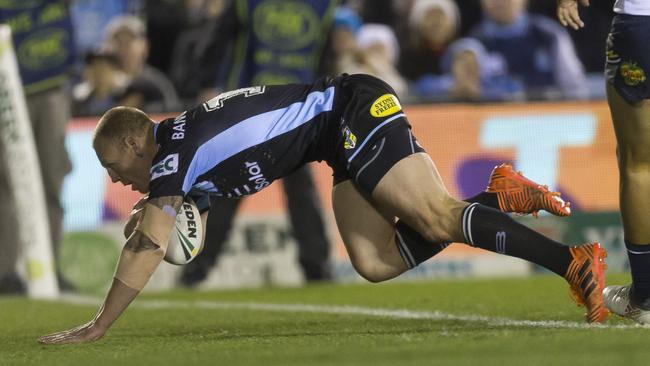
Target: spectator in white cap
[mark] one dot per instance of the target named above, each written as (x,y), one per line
(378,44)
(433,25)
(373,50)
(150,89)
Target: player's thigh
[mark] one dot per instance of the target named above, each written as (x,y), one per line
(386,161)
(367,232)
(628,87)
(632,127)
(414,191)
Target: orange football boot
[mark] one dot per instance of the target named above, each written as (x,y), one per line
(586,275)
(521,195)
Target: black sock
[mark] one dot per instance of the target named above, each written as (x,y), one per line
(488,199)
(639,256)
(414,248)
(490,229)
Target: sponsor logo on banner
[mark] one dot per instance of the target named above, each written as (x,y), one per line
(167,166)
(385,105)
(632,74)
(286,25)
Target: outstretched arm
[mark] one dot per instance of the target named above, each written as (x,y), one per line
(142,253)
(567,13)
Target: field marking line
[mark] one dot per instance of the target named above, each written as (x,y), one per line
(352,310)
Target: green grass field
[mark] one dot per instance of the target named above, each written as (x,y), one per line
(527,321)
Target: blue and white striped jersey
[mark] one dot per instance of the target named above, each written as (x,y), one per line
(240,141)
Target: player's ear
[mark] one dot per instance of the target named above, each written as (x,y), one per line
(132,143)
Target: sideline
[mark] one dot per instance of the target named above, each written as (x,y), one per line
(351,310)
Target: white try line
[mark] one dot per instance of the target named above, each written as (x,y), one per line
(353,310)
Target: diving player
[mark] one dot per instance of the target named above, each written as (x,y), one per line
(628,94)
(389,200)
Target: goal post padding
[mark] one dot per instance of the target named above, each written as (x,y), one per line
(24,176)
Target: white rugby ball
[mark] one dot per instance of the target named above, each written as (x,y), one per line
(186,241)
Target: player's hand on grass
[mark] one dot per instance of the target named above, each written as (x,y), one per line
(567,13)
(88,332)
(135,215)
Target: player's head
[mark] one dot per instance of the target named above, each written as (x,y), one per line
(124,144)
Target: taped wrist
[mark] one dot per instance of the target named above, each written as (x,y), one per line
(202,201)
(135,268)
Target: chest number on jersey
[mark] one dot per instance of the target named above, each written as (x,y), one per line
(217,102)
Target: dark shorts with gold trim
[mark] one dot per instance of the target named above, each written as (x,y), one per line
(628,57)
(374,132)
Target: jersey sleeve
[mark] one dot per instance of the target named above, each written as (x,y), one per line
(169,171)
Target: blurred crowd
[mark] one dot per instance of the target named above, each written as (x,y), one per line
(167,55)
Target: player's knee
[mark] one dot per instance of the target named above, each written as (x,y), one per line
(372,272)
(634,157)
(631,167)
(374,276)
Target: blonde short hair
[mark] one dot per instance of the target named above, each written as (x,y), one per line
(120,122)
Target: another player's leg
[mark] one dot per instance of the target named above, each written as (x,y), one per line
(413,191)
(632,127)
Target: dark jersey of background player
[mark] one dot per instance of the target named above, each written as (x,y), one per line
(240,141)
(267,42)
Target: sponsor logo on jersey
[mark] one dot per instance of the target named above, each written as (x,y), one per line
(632,74)
(385,105)
(350,139)
(256,175)
(167,166)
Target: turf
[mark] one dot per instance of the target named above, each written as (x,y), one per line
(211,336)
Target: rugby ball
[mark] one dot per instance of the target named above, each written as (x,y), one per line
(186,241)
